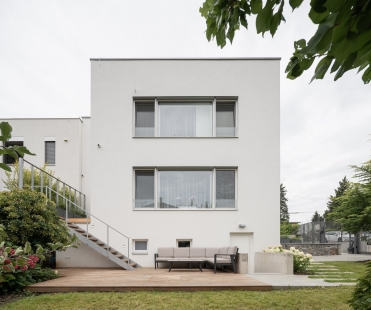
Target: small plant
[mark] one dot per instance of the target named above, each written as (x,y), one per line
(361,297)
(301,260)
(288,229)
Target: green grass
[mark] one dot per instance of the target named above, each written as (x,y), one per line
(356,270)
(303,299)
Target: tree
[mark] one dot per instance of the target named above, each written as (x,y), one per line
(354,207)
(342,40)
(317,217)
(284,210)
(333,203)
(15,151)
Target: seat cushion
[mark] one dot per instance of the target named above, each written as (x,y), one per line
(181,252)
(223,261)
(210,252)
(197,252)
(165,252)
(163,258)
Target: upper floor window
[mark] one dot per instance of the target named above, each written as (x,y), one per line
(7,159)
(50,152)
(185,118)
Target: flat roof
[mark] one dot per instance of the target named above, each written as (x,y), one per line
(188,58)
(40,118)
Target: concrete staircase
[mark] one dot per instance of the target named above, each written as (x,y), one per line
(101,247)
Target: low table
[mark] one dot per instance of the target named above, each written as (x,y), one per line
(189,261)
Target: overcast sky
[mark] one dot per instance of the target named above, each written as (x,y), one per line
(45,47)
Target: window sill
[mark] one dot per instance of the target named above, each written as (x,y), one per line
(164,209)
(185,137)
(140,253)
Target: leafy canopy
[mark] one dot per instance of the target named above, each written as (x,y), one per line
(284,210)
(342,41)
(15,151)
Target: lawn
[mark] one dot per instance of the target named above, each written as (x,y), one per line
(338,272)
(316,298)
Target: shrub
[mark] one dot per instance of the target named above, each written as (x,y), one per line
(361,297)
(288,229)
(301,260)
(28,216)
(11,183)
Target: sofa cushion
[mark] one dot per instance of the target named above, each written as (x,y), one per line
(223,260)
(223,250)
(163,258)
(210,252)
(181,252)
(197,252)
(232,250)
(165,252)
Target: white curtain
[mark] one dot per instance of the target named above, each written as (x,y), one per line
(185,120)
(184,189)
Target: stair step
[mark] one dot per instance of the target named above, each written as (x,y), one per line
(72,225)
(133,264)
(99,242)
(93,239)
(119,255)
(113,251)
(86,234)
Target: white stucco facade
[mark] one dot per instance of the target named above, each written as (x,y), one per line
(105,173)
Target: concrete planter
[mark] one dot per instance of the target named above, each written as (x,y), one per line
(281,263)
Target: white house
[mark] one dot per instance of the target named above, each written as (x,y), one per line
(177,152)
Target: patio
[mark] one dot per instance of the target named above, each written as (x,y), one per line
(146,279)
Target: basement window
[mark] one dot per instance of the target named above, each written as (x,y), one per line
(140,246)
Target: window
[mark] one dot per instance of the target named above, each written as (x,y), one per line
(7,159)
(225,119)
(225,189)
(185,189)
(190,117)
(184,243)
(185,120)
(140,247)
(144,189)
(50,152)
(145,119)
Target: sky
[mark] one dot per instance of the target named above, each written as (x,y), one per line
(45,47)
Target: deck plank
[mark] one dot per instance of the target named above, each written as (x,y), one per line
(146,279)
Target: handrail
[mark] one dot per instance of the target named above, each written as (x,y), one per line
(91,215)
(82,196)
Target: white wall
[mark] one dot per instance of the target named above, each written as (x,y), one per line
(255,152)
(68,154)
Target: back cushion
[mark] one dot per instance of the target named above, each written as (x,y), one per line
(165,252)
(181,252)
(211,251)
(197,252)
(224,250)
(232,250)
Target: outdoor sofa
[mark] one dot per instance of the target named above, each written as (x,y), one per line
(216,256)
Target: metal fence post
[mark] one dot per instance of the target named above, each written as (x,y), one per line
(20,172)
(32,178)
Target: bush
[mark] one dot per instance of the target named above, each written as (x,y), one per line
(288,229)
(361,297)
(301,260)
(28,216)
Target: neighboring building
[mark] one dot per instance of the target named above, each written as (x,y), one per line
(178,152)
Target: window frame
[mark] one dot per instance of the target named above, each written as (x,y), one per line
(13,142)
(182,240)
(55,152)
(183,100)
(139,252)
(172,168)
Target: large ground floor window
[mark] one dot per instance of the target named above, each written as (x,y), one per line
(185,189)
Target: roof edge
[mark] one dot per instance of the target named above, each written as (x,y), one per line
(187,58)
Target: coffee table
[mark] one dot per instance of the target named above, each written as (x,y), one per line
(196,261)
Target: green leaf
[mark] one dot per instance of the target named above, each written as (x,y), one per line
(18,251)
(306,63)
(263,20)
(335,66)
(22,150)
(318,5)
(295,3)
(318,18)
(5,167)
(333,5)
(276,20)
(322,68)
(341,31)
(27,248)
(6,131)
(256,6)
(346,65)
(366,77)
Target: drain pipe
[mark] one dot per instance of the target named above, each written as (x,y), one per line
(20,172)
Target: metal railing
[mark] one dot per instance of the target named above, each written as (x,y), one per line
(89,215)
(79,204)
(70,193)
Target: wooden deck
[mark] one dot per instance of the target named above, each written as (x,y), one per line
(146,279)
